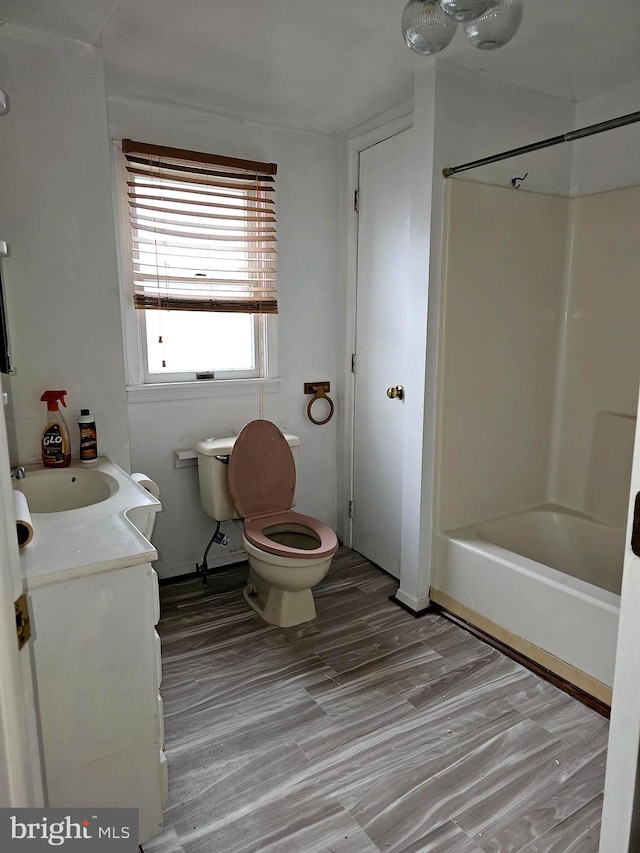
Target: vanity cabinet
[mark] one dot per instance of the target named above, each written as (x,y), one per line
(98,673)
(94,604)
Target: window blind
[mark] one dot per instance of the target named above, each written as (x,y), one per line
(203,230)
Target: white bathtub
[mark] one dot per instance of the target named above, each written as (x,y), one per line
(545,581)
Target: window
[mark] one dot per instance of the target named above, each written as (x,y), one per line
(202,262)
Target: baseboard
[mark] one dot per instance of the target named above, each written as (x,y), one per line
(415,606)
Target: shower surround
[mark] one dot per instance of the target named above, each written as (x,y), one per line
(537,407)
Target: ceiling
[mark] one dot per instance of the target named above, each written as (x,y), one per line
(326,65)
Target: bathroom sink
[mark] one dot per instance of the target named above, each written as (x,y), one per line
(61,490)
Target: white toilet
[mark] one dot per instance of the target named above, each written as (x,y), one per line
(253,477)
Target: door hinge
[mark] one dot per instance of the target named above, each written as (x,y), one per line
(353,362)
(23,625)
(356,200)
(351,510)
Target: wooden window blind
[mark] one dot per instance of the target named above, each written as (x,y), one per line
(203,231)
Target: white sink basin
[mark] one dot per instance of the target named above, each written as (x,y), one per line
(59,490)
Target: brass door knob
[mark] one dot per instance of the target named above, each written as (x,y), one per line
(395,392)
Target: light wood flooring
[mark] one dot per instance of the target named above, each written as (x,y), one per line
(366,730)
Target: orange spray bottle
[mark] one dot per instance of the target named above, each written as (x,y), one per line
(56,446)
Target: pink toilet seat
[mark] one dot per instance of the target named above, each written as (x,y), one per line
(262,483)
(254,531)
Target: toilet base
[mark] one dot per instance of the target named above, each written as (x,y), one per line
(282,607)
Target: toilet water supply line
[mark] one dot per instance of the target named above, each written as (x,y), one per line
(220,539)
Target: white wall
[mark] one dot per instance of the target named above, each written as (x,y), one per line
(416,474)
(478,116)
(609,160)
(61,278)
(307,207)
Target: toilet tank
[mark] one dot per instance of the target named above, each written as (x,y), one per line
(213,464)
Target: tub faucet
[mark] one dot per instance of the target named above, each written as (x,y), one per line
(18,473)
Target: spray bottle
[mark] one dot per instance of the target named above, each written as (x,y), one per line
(56,446)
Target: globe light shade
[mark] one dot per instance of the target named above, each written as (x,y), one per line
(464,10)
(425,27)
(496,26)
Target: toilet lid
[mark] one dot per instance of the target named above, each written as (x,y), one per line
(262,473)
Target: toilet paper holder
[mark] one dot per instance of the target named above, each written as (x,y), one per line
(320,391)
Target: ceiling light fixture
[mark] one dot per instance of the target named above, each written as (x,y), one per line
(429,25)
(464,10)
(496,26)
(426,28)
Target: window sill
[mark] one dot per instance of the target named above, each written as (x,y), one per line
(163,391)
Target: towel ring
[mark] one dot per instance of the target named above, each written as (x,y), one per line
(320,394)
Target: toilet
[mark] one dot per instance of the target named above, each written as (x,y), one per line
(253,477)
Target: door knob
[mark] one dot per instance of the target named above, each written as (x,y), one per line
(395,392)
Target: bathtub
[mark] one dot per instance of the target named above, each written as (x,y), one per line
(545,582)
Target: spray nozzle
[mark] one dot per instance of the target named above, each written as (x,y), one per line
(51,398)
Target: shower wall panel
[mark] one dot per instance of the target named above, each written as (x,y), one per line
(598,387)
(504,260)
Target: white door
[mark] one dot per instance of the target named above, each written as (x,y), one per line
(382,285)
(621,811)
(20,776)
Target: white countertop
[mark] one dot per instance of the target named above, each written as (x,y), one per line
(91,539)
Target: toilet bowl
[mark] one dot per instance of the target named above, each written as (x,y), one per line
(289,553)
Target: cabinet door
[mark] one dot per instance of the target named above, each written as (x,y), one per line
(96,654)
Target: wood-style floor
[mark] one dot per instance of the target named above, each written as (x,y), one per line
(366,730)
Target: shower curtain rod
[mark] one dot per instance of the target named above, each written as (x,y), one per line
(592,129)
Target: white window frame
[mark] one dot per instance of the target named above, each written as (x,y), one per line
(140,385)
(259,341)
